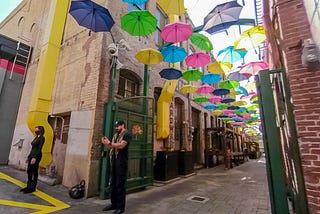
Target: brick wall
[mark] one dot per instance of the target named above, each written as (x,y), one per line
(305,89)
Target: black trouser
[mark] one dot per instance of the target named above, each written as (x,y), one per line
(118,180)
(32,172)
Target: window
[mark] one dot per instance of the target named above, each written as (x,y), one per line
(316,9)
(136,7)
(161,22)
(128,84)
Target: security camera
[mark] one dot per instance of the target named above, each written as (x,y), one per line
(113,49)
(124,45)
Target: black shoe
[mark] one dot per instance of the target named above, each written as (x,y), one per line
(29,190)
(118,211)
(23,189)
(109,207)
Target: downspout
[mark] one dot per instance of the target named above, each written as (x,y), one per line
(41,100)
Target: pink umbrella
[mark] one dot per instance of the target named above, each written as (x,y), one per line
(204,89)
(227,111)
(198,59)
(215,99)
(176,32)
(252,68)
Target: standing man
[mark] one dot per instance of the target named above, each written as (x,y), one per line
(118,147)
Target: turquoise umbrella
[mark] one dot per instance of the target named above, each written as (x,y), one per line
(173,54)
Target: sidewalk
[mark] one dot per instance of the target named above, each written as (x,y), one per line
(240,190)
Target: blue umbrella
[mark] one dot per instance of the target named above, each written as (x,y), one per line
(170,73)
(91,15)
(211,78)
(173,54)
(210,106)
(229,54)
(227,100)
(221,91)
(236,76)
(241,90)
(222,17)
(233,107)
(137,2)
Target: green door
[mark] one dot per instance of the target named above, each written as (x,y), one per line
(138,113)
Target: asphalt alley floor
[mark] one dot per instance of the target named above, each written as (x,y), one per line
(240,190)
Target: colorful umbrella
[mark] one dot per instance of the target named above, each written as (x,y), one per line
(176,32)
(200,99)
(252,68)
(241,90)
(210,106)
(173,54)
(231,55)
(172,7)
(229,84)
(92,16)
(188,89)
(170,73)
(137,2)
(149,56)
(219,67)
(201,41)
(234,108)
(222,17)
(215,99)
(210,78)
(204,89)
(228,100)
(139,22)
(198,59)
(220,91)
(236,76)
(222,106)
(217,112)
(239,103)
(251,38)
(192,75)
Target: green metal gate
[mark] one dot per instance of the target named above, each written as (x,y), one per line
(284,170)
(138,113)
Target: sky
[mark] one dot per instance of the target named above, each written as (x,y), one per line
(6,6)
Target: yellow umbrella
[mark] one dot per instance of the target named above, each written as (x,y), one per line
(188,89)
(218,67)
(172,6)
(217,112)
(239,103)
(149,56)
(250,38)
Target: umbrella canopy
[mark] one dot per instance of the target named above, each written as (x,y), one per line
(220,91)
(192,75)
(201,41)
(234,108)
(241,90)
(204,89)
(229,84)
(222,17)
(217,112)
(251,38)
(231,55)
(211,78)
(227,100)
(219,67)
(222,106)
(173,54)
(252,68)
(210,106)
(198,59)
(236,76)
(91,15)
(172,7)
(139,22)
(200,99)
(149,56)
(215,99)
(170,73)
(188,89)
(137,2)
(176,32)
(239,103)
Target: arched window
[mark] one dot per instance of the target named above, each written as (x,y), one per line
(129,84)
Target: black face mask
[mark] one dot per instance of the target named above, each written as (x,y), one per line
(37,132)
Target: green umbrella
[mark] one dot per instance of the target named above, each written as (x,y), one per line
(192,75)
(229,84)
(201,41)
(200,99)
(139,23)
(222,106)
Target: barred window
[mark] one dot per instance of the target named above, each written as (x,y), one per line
(128,84)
